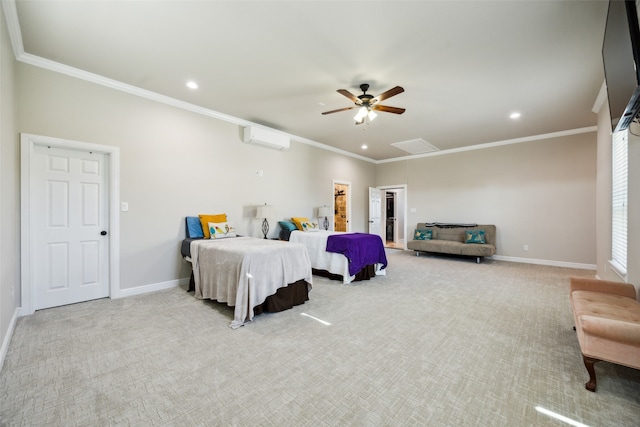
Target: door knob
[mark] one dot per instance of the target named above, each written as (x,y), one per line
(103,233)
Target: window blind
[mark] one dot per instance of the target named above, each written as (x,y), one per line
(619,201)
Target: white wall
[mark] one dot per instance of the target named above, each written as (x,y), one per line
(541,194)
(603,196)
(9,201)
(176,163)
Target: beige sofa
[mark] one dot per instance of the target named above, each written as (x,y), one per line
(607,319)
(451,240)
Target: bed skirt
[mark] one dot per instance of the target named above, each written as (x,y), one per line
(295,293)
(366,273)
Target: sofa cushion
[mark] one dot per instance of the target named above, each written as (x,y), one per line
(477,249)
(453,234)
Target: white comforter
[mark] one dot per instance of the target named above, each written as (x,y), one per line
(316,244)
(244,271)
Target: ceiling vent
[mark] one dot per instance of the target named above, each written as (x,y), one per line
(415,146)
(266,138)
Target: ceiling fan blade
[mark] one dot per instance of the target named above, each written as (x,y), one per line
(338,110)
(388,94)
(386,109)
(349,95)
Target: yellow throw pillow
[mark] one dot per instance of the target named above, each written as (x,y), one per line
(298,220)
(206,219)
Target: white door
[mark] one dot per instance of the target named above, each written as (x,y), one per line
(375,211)
(69,225)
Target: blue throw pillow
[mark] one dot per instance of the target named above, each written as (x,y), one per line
(423,234)
(474,236)
(194,227)
(288,225)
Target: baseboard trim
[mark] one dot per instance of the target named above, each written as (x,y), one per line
(7,338)
(577,265)
(138,290)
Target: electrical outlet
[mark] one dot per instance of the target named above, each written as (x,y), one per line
(525,248)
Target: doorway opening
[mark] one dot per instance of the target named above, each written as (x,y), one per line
(394,217)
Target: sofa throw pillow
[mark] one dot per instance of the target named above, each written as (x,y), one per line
(298,220)
(310,226)
(221,230)
(206,219)
(287,225)
(423,234)
(474,236)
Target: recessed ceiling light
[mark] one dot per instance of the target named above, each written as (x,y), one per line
(364,146)
(515,115)
(192,85)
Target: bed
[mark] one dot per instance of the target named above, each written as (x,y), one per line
(348,257)
(250,274)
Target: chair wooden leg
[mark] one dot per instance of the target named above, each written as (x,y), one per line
(588,363)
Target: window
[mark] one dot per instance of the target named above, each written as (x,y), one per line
(619,203)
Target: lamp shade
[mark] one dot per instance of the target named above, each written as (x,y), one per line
(324,211)
(263,211)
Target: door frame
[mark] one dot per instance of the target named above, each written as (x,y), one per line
(404,219)
(112,164)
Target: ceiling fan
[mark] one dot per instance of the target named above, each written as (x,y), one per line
(367,104)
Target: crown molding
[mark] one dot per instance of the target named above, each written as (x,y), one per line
(495,144)
(13,27)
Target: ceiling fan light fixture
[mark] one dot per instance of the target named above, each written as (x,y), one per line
(372,115)
(362,113)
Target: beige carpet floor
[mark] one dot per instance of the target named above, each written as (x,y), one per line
(435,342)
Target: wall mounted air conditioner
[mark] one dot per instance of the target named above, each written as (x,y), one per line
(266,138)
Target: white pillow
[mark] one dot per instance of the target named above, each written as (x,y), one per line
(309,226)
(221,230)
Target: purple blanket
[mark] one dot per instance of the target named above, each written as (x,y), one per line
(361,249)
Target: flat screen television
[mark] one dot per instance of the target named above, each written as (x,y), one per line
(621,57)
